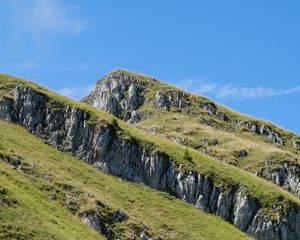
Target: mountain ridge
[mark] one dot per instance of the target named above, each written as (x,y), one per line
(151,105)
(146,77)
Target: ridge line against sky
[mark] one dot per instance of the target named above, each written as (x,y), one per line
(245,55)
(195,86)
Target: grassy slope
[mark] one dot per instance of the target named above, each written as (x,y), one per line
(267,193)
(35,214)
(33,217)
(191,132)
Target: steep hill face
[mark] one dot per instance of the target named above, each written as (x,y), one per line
(251,204)
(46,194)
(194,121)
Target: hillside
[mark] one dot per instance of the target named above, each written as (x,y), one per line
(194,121)
(250,203)
(45,193)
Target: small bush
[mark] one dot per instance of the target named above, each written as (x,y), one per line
(187,156)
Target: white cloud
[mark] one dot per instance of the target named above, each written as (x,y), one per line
(252,93)
(45,16)
(233,92)
(76,93)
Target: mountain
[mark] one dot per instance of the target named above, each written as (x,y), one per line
(141,152)
(253,145)
(48,194)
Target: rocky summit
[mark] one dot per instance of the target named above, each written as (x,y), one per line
(140,159)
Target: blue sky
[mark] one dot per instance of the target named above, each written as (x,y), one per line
(243,54)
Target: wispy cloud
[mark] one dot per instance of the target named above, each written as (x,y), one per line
(76,93)
(45,16)
(252,93)
(234,92)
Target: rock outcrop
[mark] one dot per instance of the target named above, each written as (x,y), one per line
(296,143)
(266,131)
(176,99)
(213,110)
(118,94)
(68,129)
(102,224)
(286,175)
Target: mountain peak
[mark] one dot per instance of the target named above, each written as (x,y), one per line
(120,73)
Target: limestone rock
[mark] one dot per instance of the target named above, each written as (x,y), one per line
(266,131)
(176,99)
(213,110)
(286,175)
(296,143)
(117,94)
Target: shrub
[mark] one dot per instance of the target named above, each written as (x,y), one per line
(187,156)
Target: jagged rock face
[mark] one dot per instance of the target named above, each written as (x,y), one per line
(287,175)
(166,100)
(296,143)
(213,110)
(67,128)
(267,132)
(6,111)
(119,95)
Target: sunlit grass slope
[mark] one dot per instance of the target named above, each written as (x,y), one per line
(26,211)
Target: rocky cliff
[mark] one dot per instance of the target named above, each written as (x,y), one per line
(69,129)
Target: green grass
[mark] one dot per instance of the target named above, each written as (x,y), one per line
(223,174)
(35,217)
(31,216)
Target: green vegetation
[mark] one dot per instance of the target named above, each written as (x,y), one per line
(187,156)
(27,212)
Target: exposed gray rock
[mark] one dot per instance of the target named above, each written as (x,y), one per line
(145,236)
(296,143)
(95,221)
(210,107)
(179,140)
(265,229)
(176,99)
(135,117)
(286,175)
(266,131)
(68,129)
(117,94)
(213,110)
(6,111)
(209,142)
(162,101)
(244,211)
(223,116)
